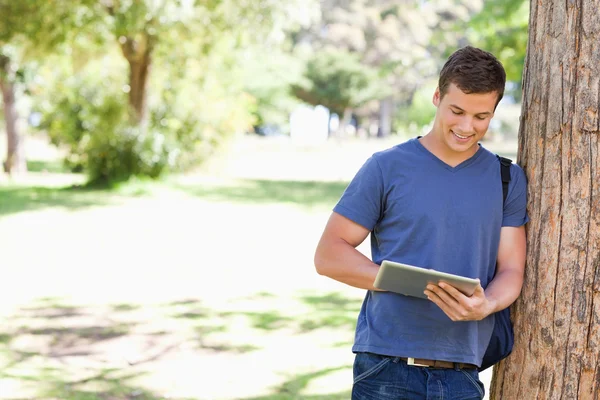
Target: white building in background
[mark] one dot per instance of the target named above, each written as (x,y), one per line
(309,125)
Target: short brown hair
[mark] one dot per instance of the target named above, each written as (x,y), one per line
(473,70)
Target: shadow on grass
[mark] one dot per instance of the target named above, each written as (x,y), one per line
(332,310)
(41,343)
(38,343)
(207,324)
(107,384)
(307,193)
(292,388)
(14,199)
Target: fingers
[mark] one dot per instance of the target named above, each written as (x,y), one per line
(454,303)
(436,297)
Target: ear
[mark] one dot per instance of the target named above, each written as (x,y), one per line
(436,97)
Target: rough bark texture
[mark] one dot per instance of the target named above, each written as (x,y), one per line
(557,317)
(15,162)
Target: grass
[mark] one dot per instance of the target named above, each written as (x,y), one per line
(54,331)
(16,198)
(293,388)
(183,288)
(302,193)
(56,343)
(44,166)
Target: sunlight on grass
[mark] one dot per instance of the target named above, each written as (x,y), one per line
(309,193)
(175,288)
(294,387)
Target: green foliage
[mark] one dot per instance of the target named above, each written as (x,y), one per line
(199,102)
(192,111)
(419,113)
(89,118)
(268,82)
(338,80)
(196,132)
(502,28)
(42,26)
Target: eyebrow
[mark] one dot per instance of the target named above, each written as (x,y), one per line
(481,113)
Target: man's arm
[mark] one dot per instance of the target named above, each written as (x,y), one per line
(336,256)
(502,291)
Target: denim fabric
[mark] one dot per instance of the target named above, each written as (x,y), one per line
(379,377)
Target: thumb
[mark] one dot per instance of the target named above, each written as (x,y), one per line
(479,288)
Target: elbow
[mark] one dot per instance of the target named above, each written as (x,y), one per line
(320,263)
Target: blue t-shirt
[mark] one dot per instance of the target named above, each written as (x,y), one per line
(422,212)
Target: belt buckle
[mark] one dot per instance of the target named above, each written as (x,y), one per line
(411,361)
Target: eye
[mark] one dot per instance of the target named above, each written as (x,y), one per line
(481,118)
(456,112)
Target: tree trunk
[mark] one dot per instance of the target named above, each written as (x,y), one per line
(138,52)
(15,155)
(346,119)
(385,117)
(557,316)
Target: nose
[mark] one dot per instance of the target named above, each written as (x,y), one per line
(466,124)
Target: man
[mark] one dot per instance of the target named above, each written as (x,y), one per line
(434,202)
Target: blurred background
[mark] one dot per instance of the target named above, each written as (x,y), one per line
(169,165)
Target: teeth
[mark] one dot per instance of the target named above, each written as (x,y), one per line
(462,137)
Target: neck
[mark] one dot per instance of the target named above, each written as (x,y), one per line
(441,151)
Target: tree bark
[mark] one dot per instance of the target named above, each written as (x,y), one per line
(138,52)
(557,316)
(15,162)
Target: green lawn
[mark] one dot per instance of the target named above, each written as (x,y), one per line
(193,289)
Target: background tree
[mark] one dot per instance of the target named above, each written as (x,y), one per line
(501,27)
(557,316)
(174,91)
(398,38)
(138,26)
(337,80)
(29,30)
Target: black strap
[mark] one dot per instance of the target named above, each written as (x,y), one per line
(505,175)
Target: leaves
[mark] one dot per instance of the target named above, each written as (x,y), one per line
(338,80)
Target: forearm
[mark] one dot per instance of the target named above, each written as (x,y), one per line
(339,260)
(504,289)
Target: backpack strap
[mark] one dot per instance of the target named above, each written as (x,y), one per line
(505,175)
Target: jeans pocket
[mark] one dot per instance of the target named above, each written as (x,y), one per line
(372,370)
(475,382)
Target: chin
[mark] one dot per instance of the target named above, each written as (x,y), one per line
(457,146)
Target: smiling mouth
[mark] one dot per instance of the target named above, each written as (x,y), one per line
(460,136)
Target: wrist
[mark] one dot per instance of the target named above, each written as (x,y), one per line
(492,305)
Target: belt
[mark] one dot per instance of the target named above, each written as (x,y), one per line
(419,362)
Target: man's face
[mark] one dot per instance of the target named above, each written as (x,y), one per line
(462,119)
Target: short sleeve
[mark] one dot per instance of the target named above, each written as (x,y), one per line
(361,202)
(515,209)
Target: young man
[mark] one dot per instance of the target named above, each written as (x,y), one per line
(434,202)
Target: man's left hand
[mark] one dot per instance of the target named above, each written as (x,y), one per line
(456,305)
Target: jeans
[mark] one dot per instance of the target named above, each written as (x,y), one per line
(382,377)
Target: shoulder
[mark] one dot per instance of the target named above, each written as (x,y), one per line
(516,172)
(396,154)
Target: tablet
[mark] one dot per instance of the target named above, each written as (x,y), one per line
(411,281)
